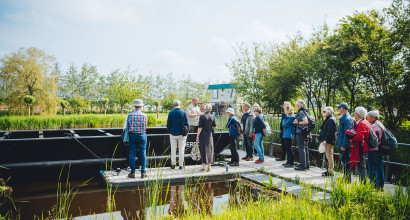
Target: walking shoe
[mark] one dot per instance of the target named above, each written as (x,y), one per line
(244,158)
(285,164)
(209,169)
(327,173)
(288,166)
(300,168)
(249,159)
(202,169)
(131,175)
(279,159)
(172,166)
(234,164)
(259,161)
(143,175)
(181,167)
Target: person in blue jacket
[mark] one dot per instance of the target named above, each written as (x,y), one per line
(288,135)
(233,136)
(343,143)
(284,115)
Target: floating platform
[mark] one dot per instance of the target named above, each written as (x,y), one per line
(285,178)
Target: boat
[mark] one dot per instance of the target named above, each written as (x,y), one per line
(44,152)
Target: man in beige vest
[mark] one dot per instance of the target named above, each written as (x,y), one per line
(193,115)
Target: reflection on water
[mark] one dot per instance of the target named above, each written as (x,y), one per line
(138,203)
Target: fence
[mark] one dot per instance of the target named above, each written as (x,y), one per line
(387,161)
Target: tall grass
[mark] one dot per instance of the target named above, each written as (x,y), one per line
(69,121)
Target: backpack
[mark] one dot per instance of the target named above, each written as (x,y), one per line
(239,126)
(268,130)
(389,143)
(373,141)
(311,123)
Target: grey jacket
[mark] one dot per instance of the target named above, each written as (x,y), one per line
(249,123)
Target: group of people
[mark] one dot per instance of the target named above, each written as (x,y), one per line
(179,123)
(293,125)
(353,150)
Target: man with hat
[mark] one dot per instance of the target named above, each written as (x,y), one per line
(247,120)
(343,143)
(232,125)
(137,125)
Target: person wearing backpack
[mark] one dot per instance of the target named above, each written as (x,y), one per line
(343,143)
(232,125)
(301,122)
(327,137)
(359,143)
(375,156)
(259,127)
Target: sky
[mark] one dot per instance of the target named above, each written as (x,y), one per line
(188,38)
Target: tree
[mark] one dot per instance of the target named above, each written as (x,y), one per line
(29,100)
(78,104)
(126,86)
(64,104)
(104,102)
(248,68)
(29,71)
(156,103)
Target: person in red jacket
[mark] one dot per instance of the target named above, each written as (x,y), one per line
(359,143)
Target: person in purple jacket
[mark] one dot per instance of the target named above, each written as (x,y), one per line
(375,157)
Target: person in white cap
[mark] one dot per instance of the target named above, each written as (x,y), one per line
(137,125)
(232,125)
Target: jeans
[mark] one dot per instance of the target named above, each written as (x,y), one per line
(346,163)
(376,171)
(138,142)
(283,154)
(287,142)
(234,150)
(303,141)
(361,166)
(248,145)
(258,146)
(178,141)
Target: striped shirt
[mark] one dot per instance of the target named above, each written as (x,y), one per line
(137,122)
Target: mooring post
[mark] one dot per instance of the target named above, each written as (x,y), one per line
(323,160)
(271,146)
(386,172)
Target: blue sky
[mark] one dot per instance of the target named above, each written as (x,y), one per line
(160,36)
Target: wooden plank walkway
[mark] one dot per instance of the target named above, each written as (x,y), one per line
(247,170)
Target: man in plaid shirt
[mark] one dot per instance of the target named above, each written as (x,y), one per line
(137,125)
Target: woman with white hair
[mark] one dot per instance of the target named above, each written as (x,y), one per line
(232,125)
(375,157)
(301,122)
(327,137)
(359,143)
(204,137)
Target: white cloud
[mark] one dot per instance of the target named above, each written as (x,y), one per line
(256,31)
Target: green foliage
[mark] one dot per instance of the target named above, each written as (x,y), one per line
(28,71)
(152,121)
(28,99)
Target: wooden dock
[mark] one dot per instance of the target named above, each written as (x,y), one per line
(287,179)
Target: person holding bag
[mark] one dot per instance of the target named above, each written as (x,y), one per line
(327,137)
(177,127)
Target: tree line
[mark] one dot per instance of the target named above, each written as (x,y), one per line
(363,61)
(30,78)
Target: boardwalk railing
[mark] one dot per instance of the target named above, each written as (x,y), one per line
(387,161)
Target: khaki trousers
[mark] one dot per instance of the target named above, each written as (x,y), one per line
(177,142)
(329,156)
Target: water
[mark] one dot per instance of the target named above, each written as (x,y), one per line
(37,199)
